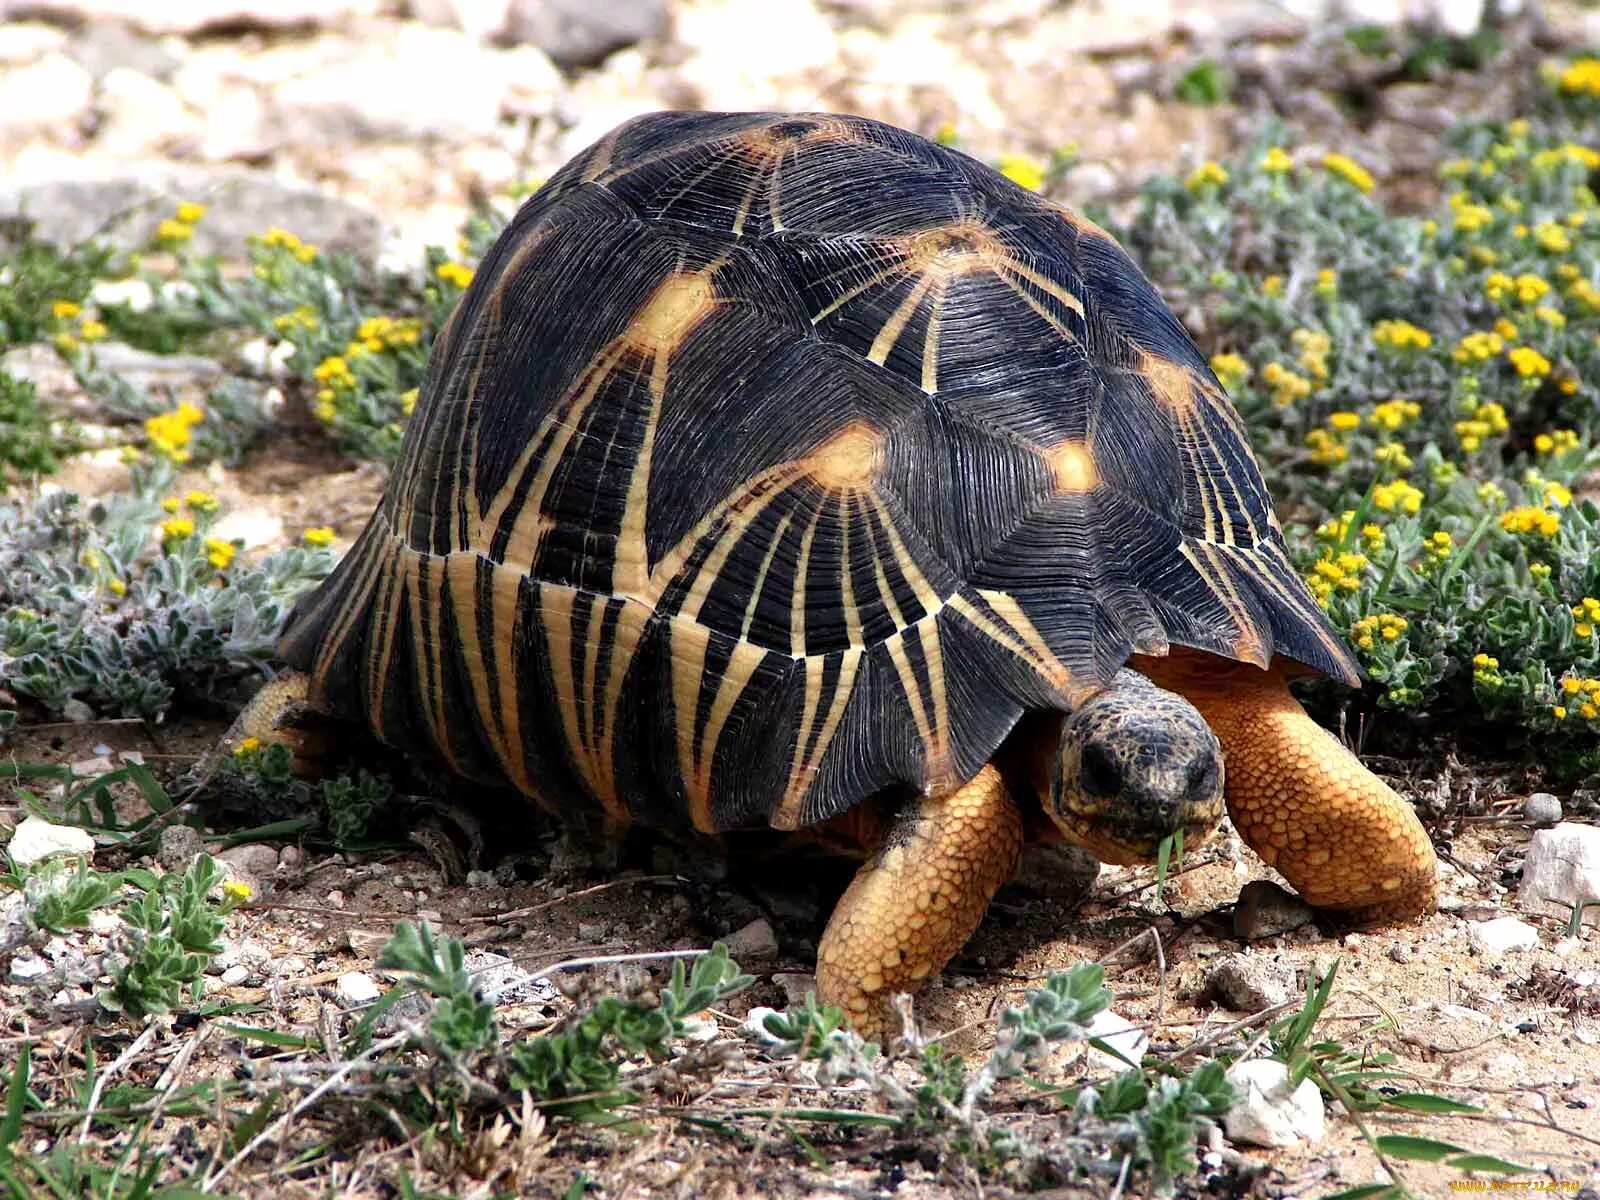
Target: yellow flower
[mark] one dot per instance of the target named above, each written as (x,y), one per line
(1272,285)
(1023,170)
(319,536)
(236,890)
(220,553)
(1231,370)
(65,310)
(1326,449)
(1478,346)
(1552,238)
(169,432)
(1349,170)
(1373,538)
(1529,363)
(303,317)
(1528,519)
(335,372)
(1506,329)
(190,213)
(1555,441)
(203,502)
(1580,76)
(1344,421)
(1286,385)
(246,746)
(1470,218)
(175,529)
(408,400)
(174,232)
(1397,496)
(1314,347)
(116,587)
(1586,294)
(1552,317)
(65,343)
(1327,282)
(1277,161)
(1395,414)
(1401,335)
(454,273)
(1393,454)
(170,504)
(92,331)
(1207,175)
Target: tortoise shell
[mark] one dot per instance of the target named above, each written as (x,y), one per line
(771,461)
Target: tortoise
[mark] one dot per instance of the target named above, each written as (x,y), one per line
(795,471)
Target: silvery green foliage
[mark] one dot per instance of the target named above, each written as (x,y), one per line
(96,604)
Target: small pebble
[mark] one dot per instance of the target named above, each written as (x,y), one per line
(357,987)
(1400,953)
(795,985)
(235,975)
(592,931)
(26,966)
(1250,982)
(754,943)
(291,858)
(180,845)
(1266,910)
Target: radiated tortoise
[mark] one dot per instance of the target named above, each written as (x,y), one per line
(777,469)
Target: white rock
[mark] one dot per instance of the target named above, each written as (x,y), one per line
(501,981)
(374,93)
(26,966)
(35,840)
(1122,1036)
(1267,1113)
(580,33)
(357,987)
(1563,864)
(140,115)
(235,975)
(263,357)
(136,294)
(255,527)
(48,96)
(1502,934)
(755,1025)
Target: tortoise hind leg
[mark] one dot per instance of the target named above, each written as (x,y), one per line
(917,899)
(1305,803)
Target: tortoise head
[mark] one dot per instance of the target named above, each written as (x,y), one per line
(1135,764)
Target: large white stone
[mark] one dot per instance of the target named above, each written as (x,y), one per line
(1503,934)
(140,115)
(1268,1113)
(423,82)
(50,96)
(1117,1032)
(35,840)
(1562,869)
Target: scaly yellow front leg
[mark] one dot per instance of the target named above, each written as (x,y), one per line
(918,899)
(1301,800)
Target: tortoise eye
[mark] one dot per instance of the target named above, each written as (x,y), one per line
(1101,773)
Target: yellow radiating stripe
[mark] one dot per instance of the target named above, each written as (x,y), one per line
(760,490)
(932,602)
(354,602)
(590,683)
(557,614)
(741,668)
(687,644)
(774,188)
(752,605)
(563,421)
(803,766)
(1017,633)
(896,324)
(429,651)
(627,632)
(942,772)
(1210,497)
(1298,599)
(898,267)
(884,590)
(1044,283)
(462,573)
(797,597)
(1247,644)
(896,647)
(847,582)
(378,663)
(930,341)
(705,578)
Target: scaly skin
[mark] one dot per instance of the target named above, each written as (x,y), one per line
(917,900)
(1300,799)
